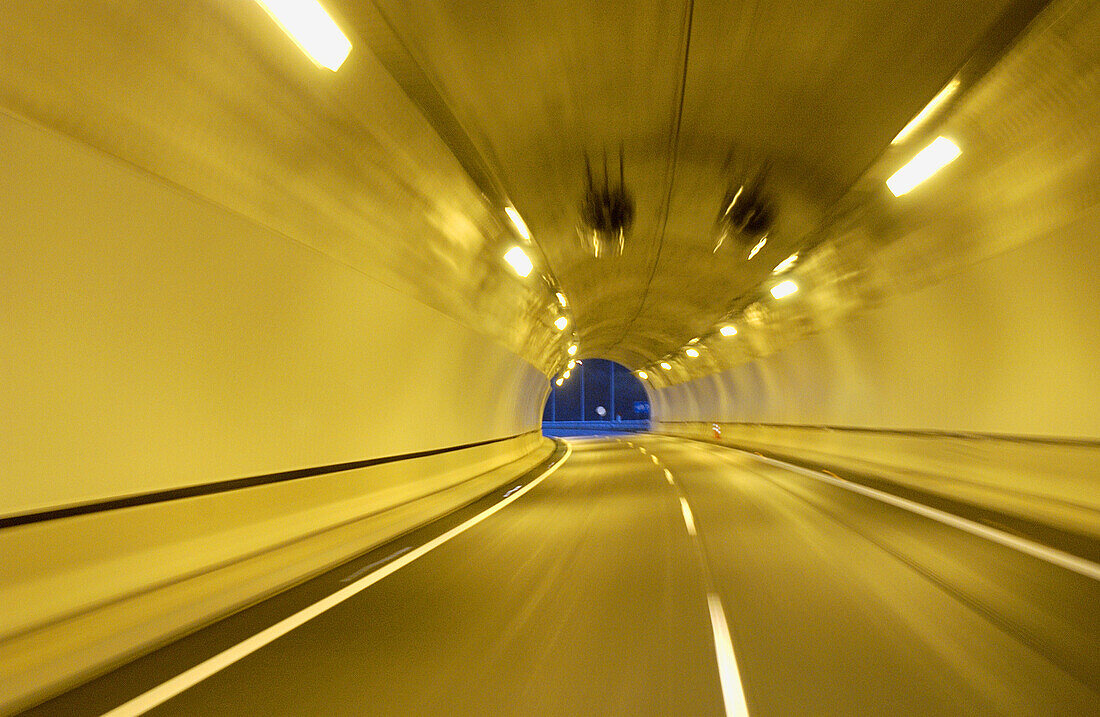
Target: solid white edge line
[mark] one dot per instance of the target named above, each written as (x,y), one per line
(185,680)
(689,519)
(733,693)
(1054,556)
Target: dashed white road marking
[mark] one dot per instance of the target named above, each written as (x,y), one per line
(689,519)
(668,476)
(733,694)
(185,680)
(654,458)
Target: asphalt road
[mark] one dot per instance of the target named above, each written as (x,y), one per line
(704,582)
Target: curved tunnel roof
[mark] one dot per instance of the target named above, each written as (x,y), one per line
(795,100)
(446,113)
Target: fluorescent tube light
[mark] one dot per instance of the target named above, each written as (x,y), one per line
(759,245)
(785,264)
(519,261)
(517,220)
(928,161)
(785,288)
(311,29)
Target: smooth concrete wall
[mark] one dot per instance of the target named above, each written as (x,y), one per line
(83,592)
(153,341)
(1007,346)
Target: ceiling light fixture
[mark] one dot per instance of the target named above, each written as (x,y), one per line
(784,288)
(785,264)
(643,375)
(692,353)
(759,245)
(519,261)
(728,330)
(518,222)
(927,162)
(666,365)
(566,374)
(560,381)
(572,351)
(941,97)
(312,30)
(561,299)
(560,323)
(571,363)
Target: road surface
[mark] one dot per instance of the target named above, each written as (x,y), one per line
(655,576)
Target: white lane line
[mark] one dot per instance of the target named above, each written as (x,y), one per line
(668,476)
(641,449)
(689,519)
(654,459)
(733,694)
(185,680)
(1054,556)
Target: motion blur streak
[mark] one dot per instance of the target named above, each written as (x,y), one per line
(1060,558)
(732,692)
(263,323)
(689,521)
(166,691)
(795,597)
(311,28)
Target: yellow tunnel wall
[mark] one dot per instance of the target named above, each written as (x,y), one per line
(966,305)
(154,340)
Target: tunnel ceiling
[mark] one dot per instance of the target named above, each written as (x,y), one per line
(797,99)
(401,164)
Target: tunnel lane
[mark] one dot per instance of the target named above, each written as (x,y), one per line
(651,575)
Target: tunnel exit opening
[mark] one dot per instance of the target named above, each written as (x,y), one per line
(599,396)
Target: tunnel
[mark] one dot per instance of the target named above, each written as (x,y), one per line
(287,285)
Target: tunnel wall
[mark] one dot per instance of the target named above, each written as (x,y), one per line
(980,389)
(155,342)
(1007,346)
(966,305)
(947,340)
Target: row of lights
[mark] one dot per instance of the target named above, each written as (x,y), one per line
(781,290)
(926,163)
(572,351)
(922,166)
(313,30)
(521,263)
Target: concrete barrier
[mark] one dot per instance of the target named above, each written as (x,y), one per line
(1047,481)
(80,593)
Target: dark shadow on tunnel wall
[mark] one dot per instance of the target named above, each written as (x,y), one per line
(598,396)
